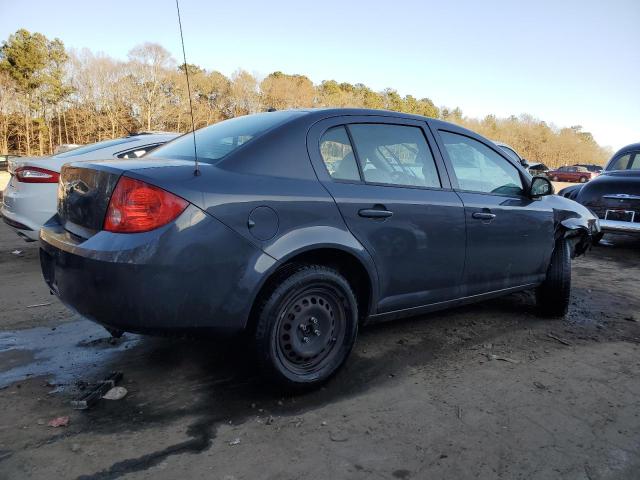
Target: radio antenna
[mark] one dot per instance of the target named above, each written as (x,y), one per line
(196,172)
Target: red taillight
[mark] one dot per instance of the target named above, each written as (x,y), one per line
(136,206)
(36,175)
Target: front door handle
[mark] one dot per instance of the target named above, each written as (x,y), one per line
(374,213)
(483,215)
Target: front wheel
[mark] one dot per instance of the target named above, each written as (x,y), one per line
(583,179)
(553,295)
(306,326)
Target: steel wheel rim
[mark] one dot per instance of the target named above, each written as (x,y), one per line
(310,330)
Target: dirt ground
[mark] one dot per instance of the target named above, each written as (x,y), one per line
(485,391)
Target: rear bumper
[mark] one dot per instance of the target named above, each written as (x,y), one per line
(193,274)
(614,226)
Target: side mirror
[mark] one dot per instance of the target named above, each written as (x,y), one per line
(524,163)
(540,186)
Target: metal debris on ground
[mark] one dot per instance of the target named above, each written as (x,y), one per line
(59,422)
(116,393)
(539,385)
(17,253)
(102,387)
(558,339)
(235,442)
(39,305)
(491,356)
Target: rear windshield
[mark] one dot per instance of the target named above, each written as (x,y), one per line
(218,140)
(93,147)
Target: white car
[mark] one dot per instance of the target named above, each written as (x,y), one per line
(29,200)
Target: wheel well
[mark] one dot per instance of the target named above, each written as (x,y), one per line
(349,266)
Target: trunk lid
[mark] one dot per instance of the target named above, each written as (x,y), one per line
(83,198)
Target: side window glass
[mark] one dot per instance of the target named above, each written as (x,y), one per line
(635,165)
(138,152)
(622,163)
(337,154)
(478,168)
(395,155)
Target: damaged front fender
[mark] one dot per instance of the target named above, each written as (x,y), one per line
(576,223)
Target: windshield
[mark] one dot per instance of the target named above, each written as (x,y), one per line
(216,141)
(93,147)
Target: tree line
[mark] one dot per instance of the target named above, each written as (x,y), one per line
(50,96)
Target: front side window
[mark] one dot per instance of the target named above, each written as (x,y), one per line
(478,168)
(337,154)
(394,155)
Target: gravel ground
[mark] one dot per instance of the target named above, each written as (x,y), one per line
(485,391)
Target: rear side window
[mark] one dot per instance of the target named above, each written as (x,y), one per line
(138,152)
(394,155)
(478,168)
(219,140)
(337,154)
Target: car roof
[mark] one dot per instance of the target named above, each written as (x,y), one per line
(129,142)
(633,146)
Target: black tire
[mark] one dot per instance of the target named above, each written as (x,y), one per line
(307,323)
(595,240)
(554,294)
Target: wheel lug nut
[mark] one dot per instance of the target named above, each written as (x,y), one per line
(314,320)
(316,332)
(305,339)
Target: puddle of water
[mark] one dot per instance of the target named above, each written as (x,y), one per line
(64,353)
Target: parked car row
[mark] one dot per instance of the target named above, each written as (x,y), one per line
(614,196)
(29,199)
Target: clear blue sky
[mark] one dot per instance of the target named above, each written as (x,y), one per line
(566,62)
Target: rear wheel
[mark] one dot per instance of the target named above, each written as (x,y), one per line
(553,295)
(306,326)
(555,179)
(583,179)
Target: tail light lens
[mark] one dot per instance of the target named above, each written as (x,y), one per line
(36,175)
(136,206)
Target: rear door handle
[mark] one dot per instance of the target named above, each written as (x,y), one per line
(483,215)
(374,213)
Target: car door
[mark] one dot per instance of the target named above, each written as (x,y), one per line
(392,191)
(510,236)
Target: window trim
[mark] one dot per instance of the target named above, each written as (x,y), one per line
(454,177)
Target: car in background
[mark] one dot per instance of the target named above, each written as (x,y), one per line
(29,199)
(570,174)
(297,227)
(614,196)
(597,169)
(533,168)
(538,168)
(511,152)
(4,161)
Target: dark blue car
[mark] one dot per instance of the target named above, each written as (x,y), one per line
(297,227)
